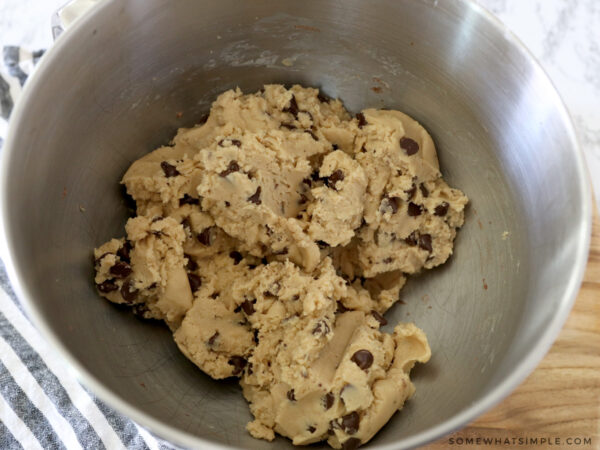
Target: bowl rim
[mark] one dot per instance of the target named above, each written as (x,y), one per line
(183,438)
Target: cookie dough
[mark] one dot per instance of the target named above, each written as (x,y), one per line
(271,238)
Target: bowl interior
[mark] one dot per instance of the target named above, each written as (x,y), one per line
(110,92)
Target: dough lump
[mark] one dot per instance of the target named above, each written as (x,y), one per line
(271,238)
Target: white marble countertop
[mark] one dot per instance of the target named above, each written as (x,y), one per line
(564,35)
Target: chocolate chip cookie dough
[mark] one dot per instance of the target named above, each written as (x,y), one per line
(271,238)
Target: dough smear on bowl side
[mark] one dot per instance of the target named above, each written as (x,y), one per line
(271,238)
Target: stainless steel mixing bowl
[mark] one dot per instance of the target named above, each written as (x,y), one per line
(110,91)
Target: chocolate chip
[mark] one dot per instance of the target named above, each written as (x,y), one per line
(410,147)
(303,199)
(188,200)
(205,236)
(235,142)
(315,176)
(123,252)
(203,119)
(121,269)
(255,198)
(351,444)
(140,310)
(412,239)
(414,209)
(363,359)
(322,244)
(336,176)
(107,286)
(248,307)
(185,223)
(289,126)
(424,190)
(441,209)
(388,260)
(321,328)
(290,395)
(328,400)
(425,242)
(168,169)
(411,192)
(361,120)
(128,292)
(227,204)
(293,108)
(307,181)
(238,364)
(379,318)
(394,203)
(311,429)
(195,281)
(350,422)
(255,337)
(232,167)
(313,135)
(236,256)
(191,264)
(323,98)
(213,339)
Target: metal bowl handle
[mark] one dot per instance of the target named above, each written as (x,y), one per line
(67,14)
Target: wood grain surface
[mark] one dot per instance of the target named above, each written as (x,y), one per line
(560,400)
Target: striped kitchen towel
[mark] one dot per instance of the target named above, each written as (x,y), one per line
(42,405)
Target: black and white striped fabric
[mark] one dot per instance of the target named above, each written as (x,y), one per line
(42,405)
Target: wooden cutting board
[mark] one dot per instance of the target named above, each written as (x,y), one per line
(560,400)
